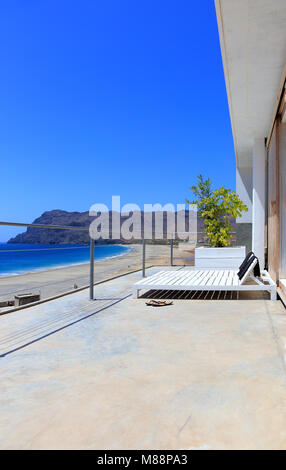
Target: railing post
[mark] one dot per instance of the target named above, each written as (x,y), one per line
(143,255)
(91,273)
(171,252)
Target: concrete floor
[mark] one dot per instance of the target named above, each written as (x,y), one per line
(194,375)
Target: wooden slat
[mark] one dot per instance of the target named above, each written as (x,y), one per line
(190,275)
(229,280)
(174,279)
(163,279)
(218,278)
(195,281)
(188,279)
(235,280)
(273,204)
(147,279)
(166,275)
(212,277)
(204,279)
(223,281)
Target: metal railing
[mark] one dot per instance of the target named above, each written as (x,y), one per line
(45,226)
(88,279)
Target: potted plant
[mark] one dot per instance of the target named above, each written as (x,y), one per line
(216,208)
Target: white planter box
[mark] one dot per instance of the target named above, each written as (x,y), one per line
(228,257)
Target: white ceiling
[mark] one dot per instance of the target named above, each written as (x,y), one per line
(253,44)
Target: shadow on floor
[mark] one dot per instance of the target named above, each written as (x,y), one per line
(21,338)
(204,295)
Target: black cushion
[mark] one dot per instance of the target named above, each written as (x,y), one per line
(256,270)
(247,263)
(244,262)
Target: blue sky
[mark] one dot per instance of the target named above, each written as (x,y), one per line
(102,98)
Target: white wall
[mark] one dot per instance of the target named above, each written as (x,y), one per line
(244,191)
(259,199)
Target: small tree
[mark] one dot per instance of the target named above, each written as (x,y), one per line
(215,208)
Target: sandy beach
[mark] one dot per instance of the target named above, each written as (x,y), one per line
(53,282)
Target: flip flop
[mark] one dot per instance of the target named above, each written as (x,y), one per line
(159,303)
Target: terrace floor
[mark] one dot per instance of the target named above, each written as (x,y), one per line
(117,374)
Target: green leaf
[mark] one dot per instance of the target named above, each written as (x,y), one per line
(215,208)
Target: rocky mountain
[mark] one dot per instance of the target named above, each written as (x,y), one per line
(49,236)
(35,235)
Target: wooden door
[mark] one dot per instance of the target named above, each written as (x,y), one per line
(273,205)
(282,200)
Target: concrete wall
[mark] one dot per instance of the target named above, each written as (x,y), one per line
(259,199)
(244,191)
(244,235)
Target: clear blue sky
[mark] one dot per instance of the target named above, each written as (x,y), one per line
(102,98)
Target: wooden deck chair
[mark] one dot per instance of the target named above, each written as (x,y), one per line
(211,280)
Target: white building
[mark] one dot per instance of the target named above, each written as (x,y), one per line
(253,46)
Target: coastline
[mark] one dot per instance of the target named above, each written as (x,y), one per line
(66,265)
(57,281)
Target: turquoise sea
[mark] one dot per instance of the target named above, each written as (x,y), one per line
(20,258)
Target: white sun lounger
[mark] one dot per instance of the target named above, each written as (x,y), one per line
(207,280)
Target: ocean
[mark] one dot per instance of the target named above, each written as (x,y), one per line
(22,258)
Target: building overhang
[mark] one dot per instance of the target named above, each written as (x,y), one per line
(253,46)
